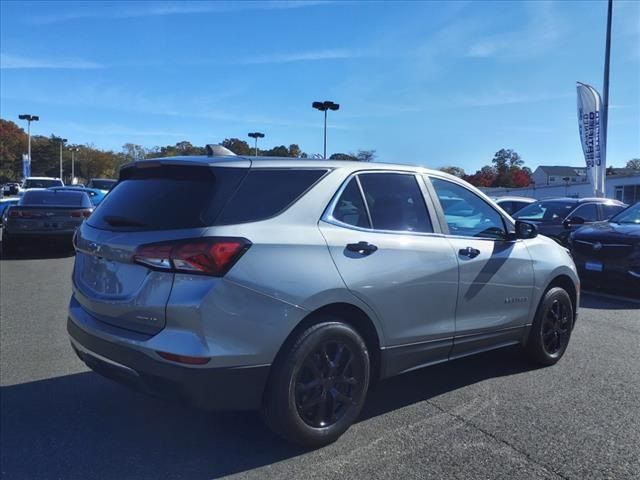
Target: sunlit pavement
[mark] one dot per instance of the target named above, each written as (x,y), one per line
(490,416)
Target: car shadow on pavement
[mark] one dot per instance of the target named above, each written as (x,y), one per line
(38,251)
(83,426)
(605,301)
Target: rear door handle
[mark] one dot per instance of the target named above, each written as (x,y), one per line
(469,252)
(363,248)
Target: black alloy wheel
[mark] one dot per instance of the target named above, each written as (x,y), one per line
(556,327)
(551,330)
(326,384)
(318,384)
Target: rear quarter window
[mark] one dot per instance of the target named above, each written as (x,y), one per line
(265,193)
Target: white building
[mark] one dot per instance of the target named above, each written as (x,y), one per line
(552,175)
(624,187)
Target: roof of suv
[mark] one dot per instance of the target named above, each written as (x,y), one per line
(273,162)
(583,200)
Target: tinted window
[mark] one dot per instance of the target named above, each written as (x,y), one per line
(265,193)
(517,206)
(102,184)
(350,207)
(549,211)
(507,206)
(609,211)
(466,213)
(395,202)
(44,183)
(589,212)
(48,197)
(630,215)
(167,197)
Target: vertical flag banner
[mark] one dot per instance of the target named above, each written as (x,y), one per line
(590,118)
(26,165)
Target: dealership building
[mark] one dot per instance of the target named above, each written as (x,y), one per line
(556,181)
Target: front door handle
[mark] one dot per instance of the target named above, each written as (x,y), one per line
(469,252)
(363,248)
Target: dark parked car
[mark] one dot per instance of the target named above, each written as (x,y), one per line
(512,205)
(558,217)
(607,254)
(45,213)
(11,188)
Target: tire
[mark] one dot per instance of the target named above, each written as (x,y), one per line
(551,329)
(318,386)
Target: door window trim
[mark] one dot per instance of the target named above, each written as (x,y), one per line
(328,217)
(508,224)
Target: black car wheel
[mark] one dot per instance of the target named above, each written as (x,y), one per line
(318,387)
(551,329)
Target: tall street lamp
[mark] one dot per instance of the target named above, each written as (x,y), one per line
(29,118)
(323,107)
(62,142)
(73,171)
(256,136)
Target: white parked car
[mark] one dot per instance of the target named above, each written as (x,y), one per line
(512,204)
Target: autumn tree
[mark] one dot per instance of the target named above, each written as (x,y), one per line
(13,143)
(455,171)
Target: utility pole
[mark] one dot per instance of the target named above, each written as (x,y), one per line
(605,98)
(62,142)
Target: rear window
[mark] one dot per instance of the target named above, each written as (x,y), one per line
(167,197)
(266,193)
(102,184)
(53,198)
(176,197)
(41,183)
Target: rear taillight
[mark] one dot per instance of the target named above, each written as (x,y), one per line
(206,256)
(14,213)
(80,213)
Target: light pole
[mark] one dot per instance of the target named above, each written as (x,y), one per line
(29,118)
(323,107)
(256,136)
(62,142)
(73,171)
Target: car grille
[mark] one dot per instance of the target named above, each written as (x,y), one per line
(602,250)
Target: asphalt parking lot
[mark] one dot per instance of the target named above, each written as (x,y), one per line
(489,416)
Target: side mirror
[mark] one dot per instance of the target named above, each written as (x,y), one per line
(525,230)
(573,221)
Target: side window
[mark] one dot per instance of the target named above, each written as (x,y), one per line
(350,207)
(467,214)
(395,202)
(609,211)
(508,207)
(589,212)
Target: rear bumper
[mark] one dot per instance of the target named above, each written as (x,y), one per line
(217,388)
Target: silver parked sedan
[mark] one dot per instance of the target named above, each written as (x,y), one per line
(292,285)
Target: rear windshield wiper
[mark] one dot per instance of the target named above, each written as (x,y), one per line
(123,222)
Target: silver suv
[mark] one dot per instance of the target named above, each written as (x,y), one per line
(292,285)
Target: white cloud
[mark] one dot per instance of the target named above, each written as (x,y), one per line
(315,55)
(507,98)
(540,33)
(148,9)
(19,62)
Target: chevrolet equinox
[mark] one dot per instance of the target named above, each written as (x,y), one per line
(292,285)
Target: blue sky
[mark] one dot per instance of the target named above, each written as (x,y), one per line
(428,83)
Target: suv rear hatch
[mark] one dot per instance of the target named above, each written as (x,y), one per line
(153,202)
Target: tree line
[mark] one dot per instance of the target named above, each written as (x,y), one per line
(506,170)
(92,162)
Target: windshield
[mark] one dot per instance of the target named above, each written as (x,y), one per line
(549,211)
(102,184)
(41,183)
(630,215)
